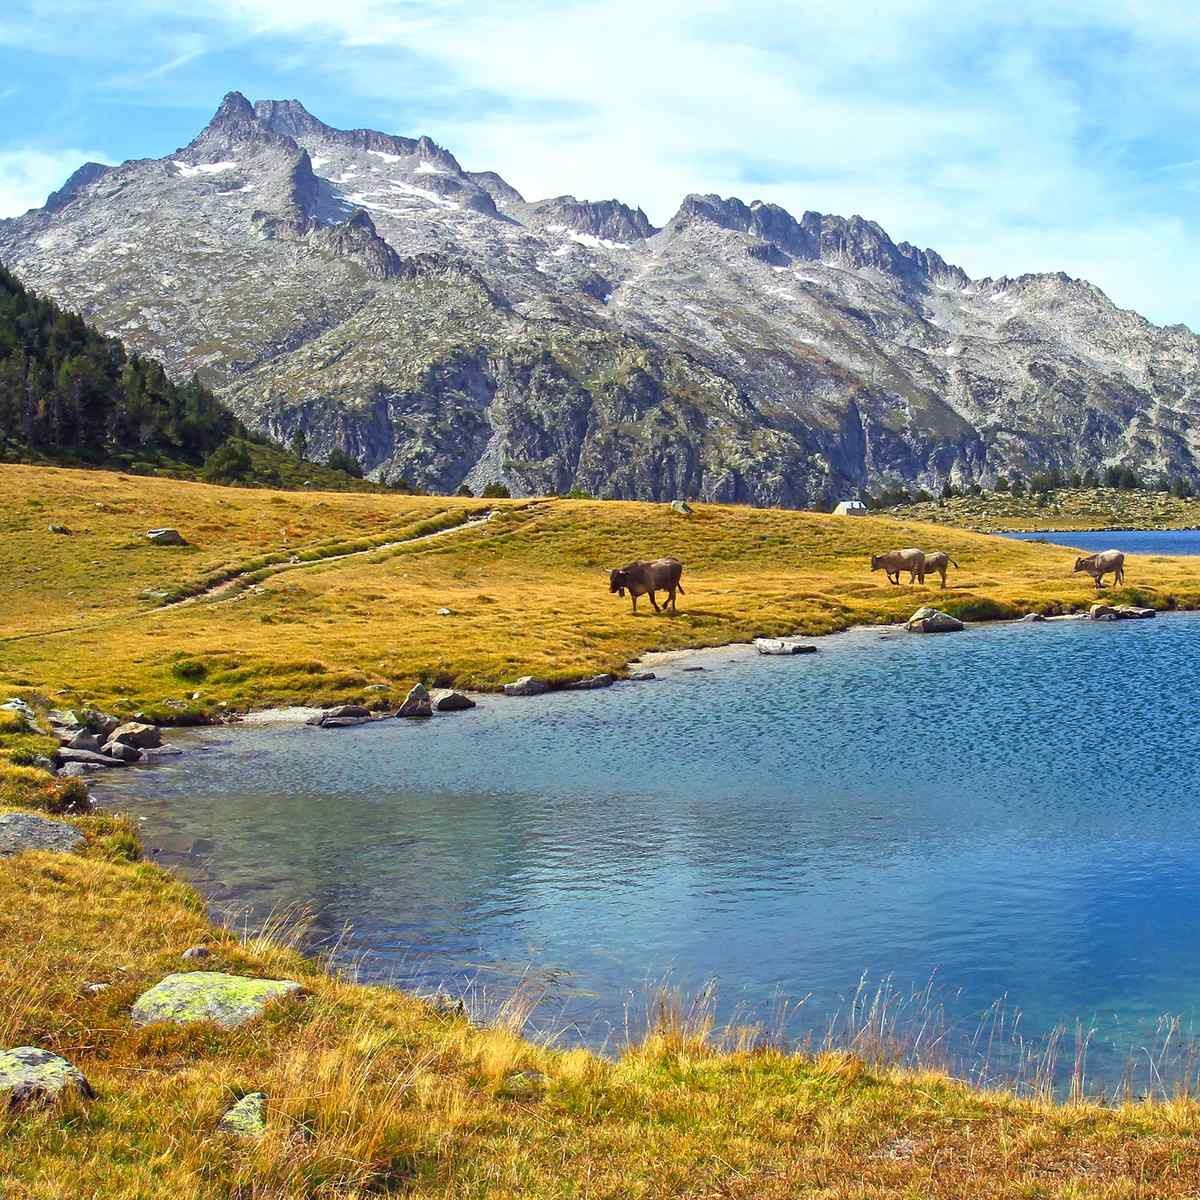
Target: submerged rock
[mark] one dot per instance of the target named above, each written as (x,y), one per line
(247,1118)
(783,646)
(641,676)
(227,1000)
(417,703)
(527,685)
(28,831)
(933,620)
(29,1075)
(448,700)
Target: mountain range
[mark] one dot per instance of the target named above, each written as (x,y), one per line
(440,328)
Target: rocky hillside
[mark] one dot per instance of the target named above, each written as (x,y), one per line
(437,326)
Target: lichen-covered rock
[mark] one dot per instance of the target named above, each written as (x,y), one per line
(524,1085)
(417,703)
(29,1075)
(28,831)
(933,620)
(448,700)
(138,734)
(227,1000)
(247,1118)
(527,685)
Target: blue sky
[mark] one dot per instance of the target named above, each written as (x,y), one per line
(1010,137)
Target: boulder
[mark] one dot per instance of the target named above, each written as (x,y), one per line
(527,685)
(783,646)
(88,758)
(194,952)
(29,1075)
(29,831)
(592,682)
(1121,612)
(682,507)
(120,751)
(641,676)
(342,714)
(100,723)
(343,722)
(448,700)
(84,741)
(417,703)
(76,770)
(932,620)
(226,1000)
(247,1118)
(135,733)
(165,537)
(56,528)
(1032,618)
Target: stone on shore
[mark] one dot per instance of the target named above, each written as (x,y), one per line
(343,722)
(340,716)
(78,770)
(1032,618)
(120,750)
(29,831)
(592,682)
(247,1118)
(137,734)
(932,620)
(226,1000)
(527,685)
(29,1075)
(641,676)
(682,507)
(448,700)
(165,537)
(783,646)
(417,703)
(88,758)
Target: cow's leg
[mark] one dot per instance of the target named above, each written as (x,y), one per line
(633,597)
(653,601)
(669,603)
(943,573)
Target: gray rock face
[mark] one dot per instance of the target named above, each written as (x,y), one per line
(366,289)
(89,758)
(641,676)
(932,620)
(137,734)
(448,700)
(417,703)
(527,685)
(28,831)
(227,1000)
(29,1075)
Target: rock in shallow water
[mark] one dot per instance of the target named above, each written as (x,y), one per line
(527,685)
(227,1000)
(417,703)
(783,646)
(591,683)
(448,700)
(30,1075)
(932,620)
(137,734)
(28,831)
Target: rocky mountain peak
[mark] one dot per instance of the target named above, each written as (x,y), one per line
(607,220)
(288,117)
(88,173)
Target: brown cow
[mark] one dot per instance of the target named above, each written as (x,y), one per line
(645,578)
(938,562)
(895,561)
(1099,565)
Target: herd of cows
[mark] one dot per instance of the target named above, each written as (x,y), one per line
(643,578)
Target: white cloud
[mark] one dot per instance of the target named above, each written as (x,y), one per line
(28,176)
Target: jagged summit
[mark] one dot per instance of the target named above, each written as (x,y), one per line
(363,287)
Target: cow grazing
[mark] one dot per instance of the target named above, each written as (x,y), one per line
(1101,564)
(895,561)
(937,563)
(645,578)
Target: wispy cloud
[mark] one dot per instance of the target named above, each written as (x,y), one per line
(28,176)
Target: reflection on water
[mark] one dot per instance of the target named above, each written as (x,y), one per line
(1132,541)
(1013,810)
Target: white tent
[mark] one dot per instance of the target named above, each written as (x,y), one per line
(850,508)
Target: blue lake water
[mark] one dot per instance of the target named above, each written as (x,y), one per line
(1012,812)
(1132,541)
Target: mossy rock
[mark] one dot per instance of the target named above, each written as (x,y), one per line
(247,1118)
(29,1075)
(226,1000)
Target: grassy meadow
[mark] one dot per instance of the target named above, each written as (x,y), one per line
(311,597)
(371,1092)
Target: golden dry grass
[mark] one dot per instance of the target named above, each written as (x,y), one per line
(81,616)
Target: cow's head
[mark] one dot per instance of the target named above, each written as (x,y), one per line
(876,561)
(618,580)
(1081,564)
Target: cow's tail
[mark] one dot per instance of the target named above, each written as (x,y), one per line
(953,563)
(679,585)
